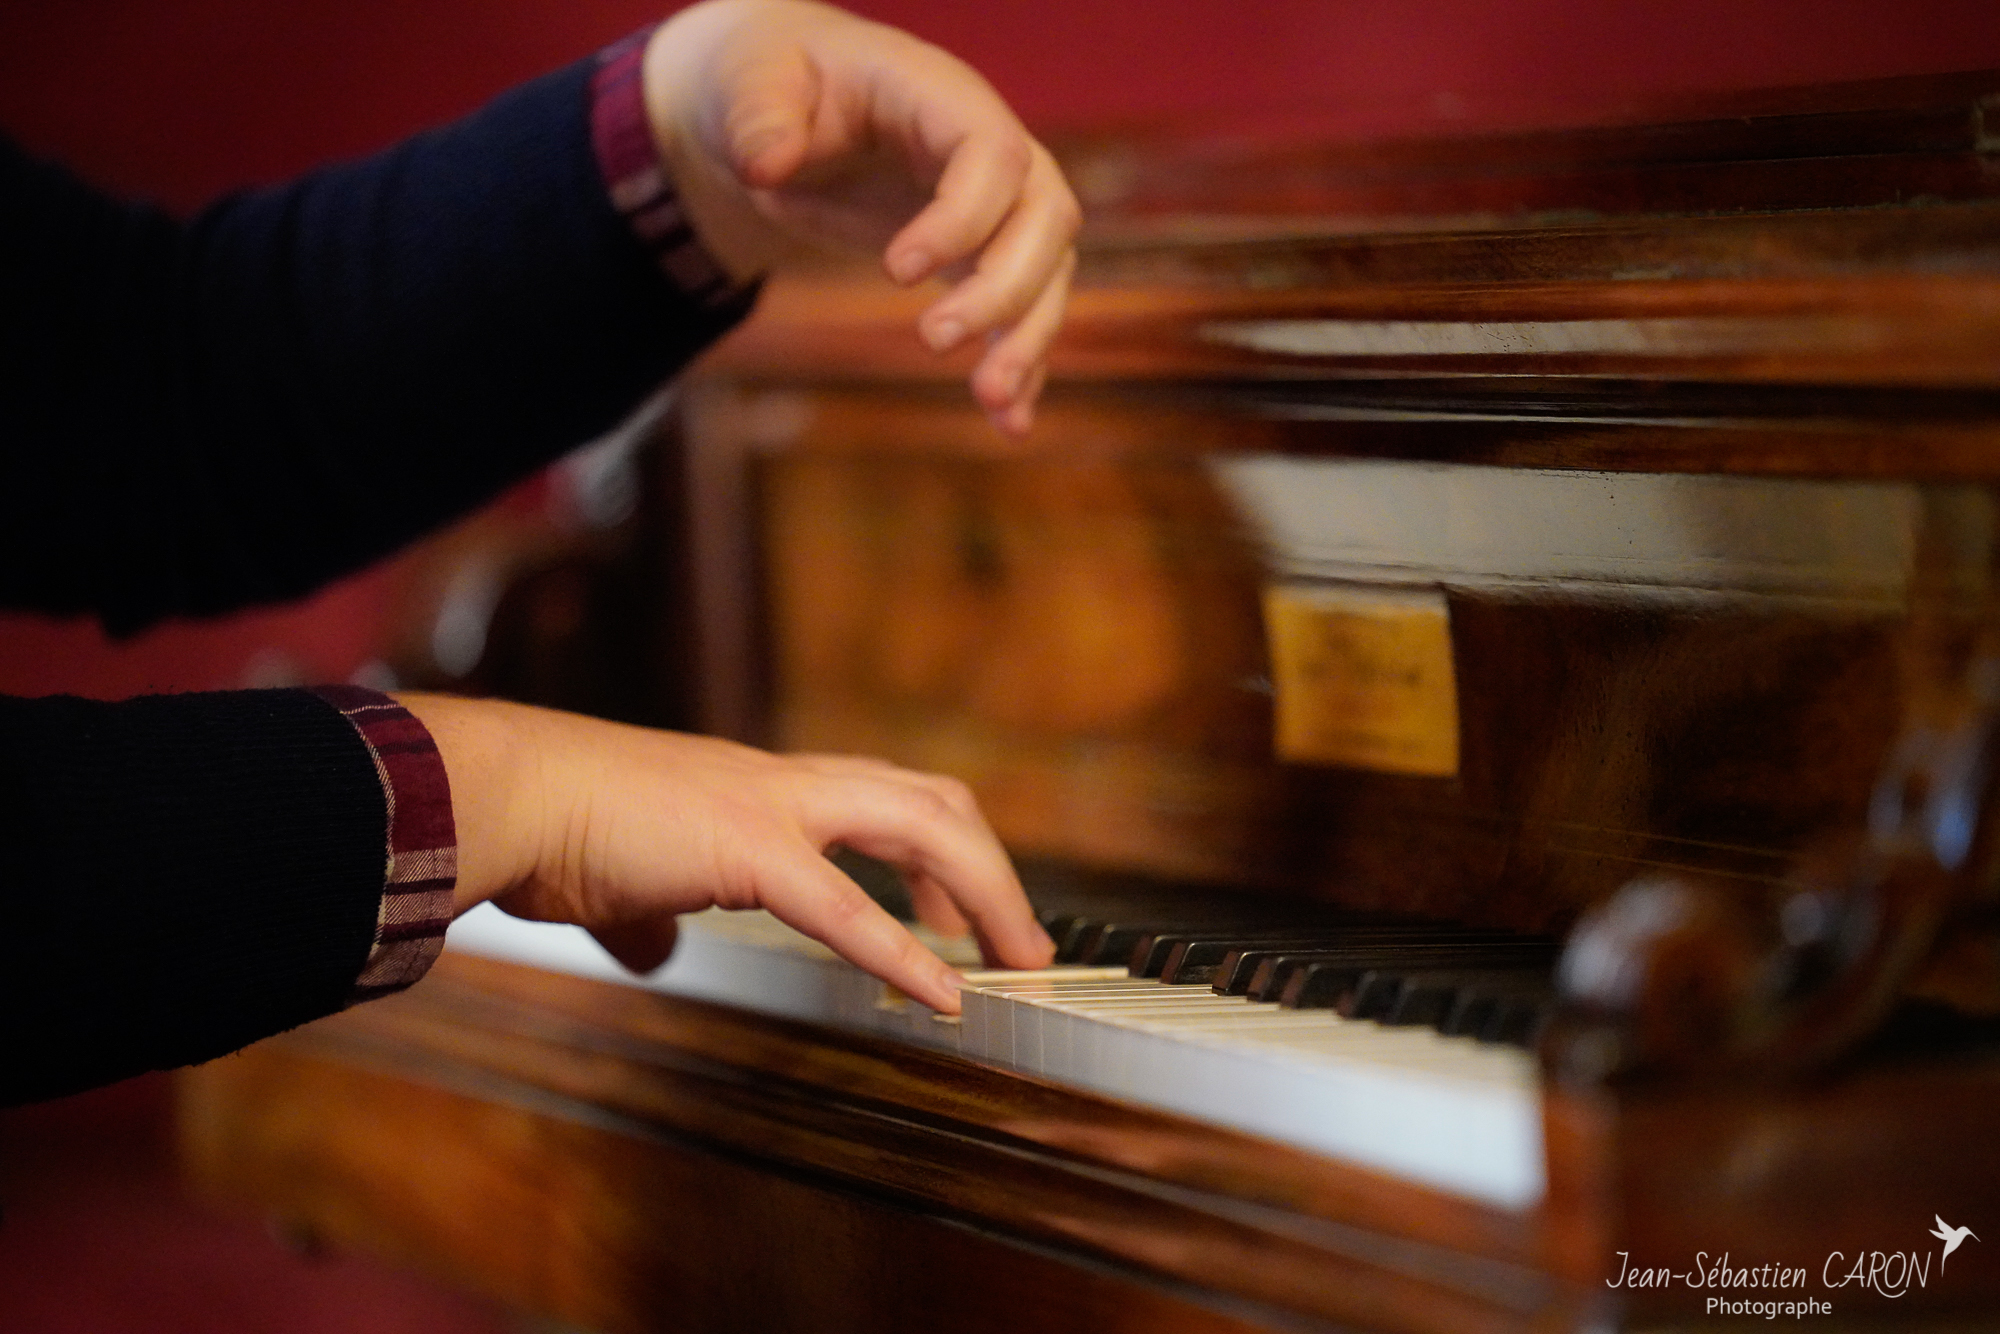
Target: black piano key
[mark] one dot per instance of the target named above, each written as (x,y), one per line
(1120,941)
(1247,972)
(1057,924)
(1150,953)
(1101,940)
(1381,992)
(1517,1020)
(1112,942)
(1468,1013)
(1068,931)
(1329,983)
(1196,958)
(1183,950)
(1407,999)
(1275,975)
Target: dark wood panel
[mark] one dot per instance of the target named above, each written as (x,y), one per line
(609,1227)
(619,1160)
(1107,1189)
(1852,145)
(1815,1178)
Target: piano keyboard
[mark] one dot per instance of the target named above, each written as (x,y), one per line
(1448,1112)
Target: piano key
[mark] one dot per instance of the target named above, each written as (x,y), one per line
(1244,971)
(1280,971)
(1329,982)
(1200,960)
(1155,949)
(1517,1021)
(1445,1112)
(988,1023)
(1110,938)
(1402,998)
(1150,954)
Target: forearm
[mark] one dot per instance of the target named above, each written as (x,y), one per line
(305,378)
(186,874)
(493,755)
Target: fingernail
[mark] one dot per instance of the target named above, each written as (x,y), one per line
(942,335)
(907,266)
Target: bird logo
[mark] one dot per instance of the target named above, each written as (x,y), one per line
(1951,1237)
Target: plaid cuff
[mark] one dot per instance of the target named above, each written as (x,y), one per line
(422,856)
(639,187)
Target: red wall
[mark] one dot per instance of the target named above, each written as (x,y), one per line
(179,99)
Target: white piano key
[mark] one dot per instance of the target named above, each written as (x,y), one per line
(1462,1116)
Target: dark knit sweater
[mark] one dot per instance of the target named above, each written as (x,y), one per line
(201,416)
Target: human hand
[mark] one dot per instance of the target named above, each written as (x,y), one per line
(619,829)
(784,121)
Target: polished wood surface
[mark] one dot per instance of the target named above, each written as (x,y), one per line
(1689,432)
(1196,1225)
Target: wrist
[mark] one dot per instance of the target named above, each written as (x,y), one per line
(713,198)
(489,763)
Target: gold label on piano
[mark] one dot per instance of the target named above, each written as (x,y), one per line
(1363,677)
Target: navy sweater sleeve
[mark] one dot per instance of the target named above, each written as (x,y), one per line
(201,416)
(204,415)
(185,874)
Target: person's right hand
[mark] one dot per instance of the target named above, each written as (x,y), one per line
(619,829)
(786,121)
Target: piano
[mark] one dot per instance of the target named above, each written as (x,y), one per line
(1530,598)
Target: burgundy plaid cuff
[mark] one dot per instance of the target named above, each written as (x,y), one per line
(422,863)
(639,187)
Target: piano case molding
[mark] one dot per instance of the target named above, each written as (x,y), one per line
(1749,772)
(1133,1219)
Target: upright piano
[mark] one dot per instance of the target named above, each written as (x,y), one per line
(1569,558)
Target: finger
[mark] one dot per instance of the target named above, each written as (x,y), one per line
(930,902)
(934,908)
(981,181)
(953,793)
(920,831)
(768,127)
(811,895)
(641,945)
(1031,250)
(1018,417)
(1011,373)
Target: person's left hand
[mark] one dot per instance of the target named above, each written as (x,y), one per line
(784,121)
(620,830)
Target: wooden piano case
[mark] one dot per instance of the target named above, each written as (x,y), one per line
(1684,436)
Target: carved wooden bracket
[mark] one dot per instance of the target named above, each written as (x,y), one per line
(1686,974)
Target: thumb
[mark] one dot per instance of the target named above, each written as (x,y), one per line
(768,125)
(641,945)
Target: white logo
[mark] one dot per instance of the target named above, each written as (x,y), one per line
(1951,1237)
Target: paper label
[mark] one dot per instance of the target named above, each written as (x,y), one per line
(1363,677)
